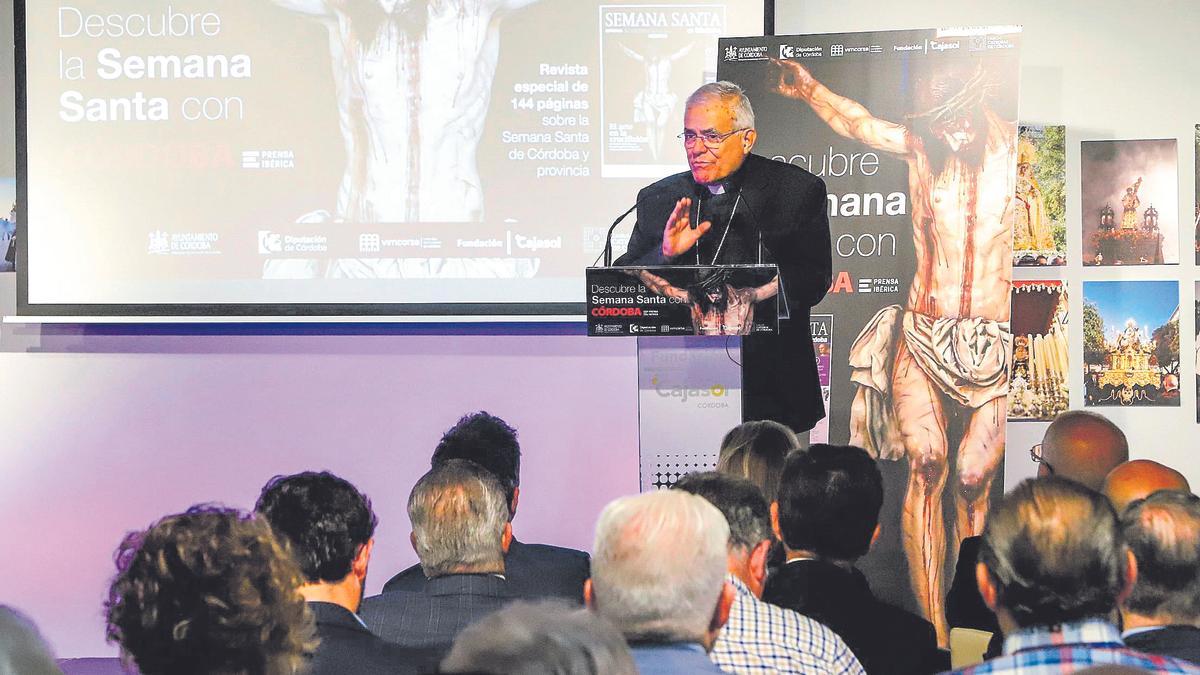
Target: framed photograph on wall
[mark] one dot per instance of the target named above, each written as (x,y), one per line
(1131,343)
(1037,390)
(1130,202)
(1040,202)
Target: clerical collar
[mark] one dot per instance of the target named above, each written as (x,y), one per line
(732,182)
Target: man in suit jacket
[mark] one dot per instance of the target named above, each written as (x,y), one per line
(736,207)
(330,527)
(532,570)
(659,576)
(460,531)
(827,515)
(1162,613)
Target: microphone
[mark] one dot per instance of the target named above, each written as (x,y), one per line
(608,238)
(783,311)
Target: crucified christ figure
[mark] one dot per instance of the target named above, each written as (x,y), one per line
(413,81)
(718,308)
(944,354)
(654,105)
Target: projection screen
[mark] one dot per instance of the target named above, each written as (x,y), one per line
(402,157)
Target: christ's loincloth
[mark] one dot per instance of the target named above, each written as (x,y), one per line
(966,359)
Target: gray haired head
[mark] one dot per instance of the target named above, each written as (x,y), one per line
(458,513)
(1163,531)
(729,94)
(658,567)
(540,638)
(1053,550)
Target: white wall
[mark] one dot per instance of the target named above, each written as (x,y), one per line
(1107,70)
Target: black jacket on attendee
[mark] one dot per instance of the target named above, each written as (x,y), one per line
(964,604)
(1181,642)
(532,570)
(885,639)
(348,647)
(432,617)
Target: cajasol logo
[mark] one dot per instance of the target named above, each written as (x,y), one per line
(685,393)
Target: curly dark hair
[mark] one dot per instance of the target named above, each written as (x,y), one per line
(210,590)
(324,518)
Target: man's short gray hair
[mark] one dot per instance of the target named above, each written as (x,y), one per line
(659,564)
(730,94)
(540,638)
(22,648)
(458,512)
(1053,549)
(1163,530)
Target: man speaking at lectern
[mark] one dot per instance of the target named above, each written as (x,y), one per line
(734,207)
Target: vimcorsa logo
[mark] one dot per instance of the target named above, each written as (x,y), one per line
(716,391)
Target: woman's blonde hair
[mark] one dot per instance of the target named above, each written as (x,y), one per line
(755,451)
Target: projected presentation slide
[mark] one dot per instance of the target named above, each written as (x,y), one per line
(295,152)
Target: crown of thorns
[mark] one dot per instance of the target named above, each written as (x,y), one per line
(712,281)
(972,94)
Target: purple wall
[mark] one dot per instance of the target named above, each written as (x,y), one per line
(104,433)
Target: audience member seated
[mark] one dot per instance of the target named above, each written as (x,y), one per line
(1053,568)
(760,637)
(207,592)
(542,638)
(1078,445)
(460,531)
(1162,614)
(755,451)
(330,527)
(533,570)
(827,516)
(22,649)
(658,573)
(1138,479)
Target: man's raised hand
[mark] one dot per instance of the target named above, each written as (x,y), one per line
(679,236)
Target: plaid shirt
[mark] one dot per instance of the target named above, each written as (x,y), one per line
(763,638)
(1074,646)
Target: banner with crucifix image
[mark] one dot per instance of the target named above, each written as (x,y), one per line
(915,134)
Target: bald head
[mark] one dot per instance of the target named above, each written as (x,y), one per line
(1083,447)
(1138,479)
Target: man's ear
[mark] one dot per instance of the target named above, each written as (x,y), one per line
(749,139)
(506,538)
(1129,574)
(512,505)
(362,558)
(589,600)
(775,521)
(724,604)
(987,588)
(875,536)
(412,539)
(758,560)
